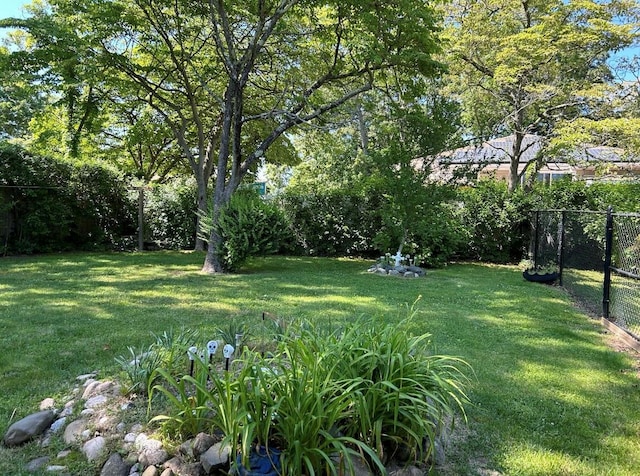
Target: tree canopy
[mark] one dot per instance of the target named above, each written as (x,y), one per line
(522,67)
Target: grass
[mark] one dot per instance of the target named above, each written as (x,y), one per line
(549,396)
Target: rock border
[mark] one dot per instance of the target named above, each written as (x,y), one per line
(90,421)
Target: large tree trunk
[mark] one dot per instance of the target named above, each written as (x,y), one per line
(222,191)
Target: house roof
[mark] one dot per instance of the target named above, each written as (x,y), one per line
(498,151)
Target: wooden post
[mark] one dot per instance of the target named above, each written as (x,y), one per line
(140,218)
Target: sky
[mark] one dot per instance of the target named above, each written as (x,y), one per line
(11,8)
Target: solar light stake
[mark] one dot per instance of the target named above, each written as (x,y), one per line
(212,347)
(191,353)
(227,351)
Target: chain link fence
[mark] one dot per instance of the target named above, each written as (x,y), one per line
(598,254)
(624,293)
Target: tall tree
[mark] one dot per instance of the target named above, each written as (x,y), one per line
(304,59)
(231,78)
(519,67)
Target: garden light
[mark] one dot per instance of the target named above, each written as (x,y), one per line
(227,351)
(191,353)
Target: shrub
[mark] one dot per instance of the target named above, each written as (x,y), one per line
(498,223)
(333,223)
(249,226)
(54,206)
(170,214)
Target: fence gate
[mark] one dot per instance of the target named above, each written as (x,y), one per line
(598,254)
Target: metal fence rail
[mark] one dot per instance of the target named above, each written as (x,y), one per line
(598,254)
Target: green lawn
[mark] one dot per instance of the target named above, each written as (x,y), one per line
(549,397)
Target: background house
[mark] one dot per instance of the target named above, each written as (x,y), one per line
(492,159)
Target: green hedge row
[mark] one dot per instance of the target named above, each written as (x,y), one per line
(47,205)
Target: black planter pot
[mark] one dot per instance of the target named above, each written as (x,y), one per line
(540,278)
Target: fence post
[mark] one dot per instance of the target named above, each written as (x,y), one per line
(140,218)
(535,240)
(563,216)
(606,288)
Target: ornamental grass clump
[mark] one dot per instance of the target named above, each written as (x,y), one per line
(322,400)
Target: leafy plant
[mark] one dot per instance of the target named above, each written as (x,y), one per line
(403,391)
(190,399)
(234,332)
(248,226)
(139,369)
(311,409)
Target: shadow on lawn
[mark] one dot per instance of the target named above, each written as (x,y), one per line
(543,378)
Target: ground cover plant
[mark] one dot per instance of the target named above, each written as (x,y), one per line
(548,396)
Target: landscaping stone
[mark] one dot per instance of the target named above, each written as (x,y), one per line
(115,466)
(150,451)
(216,457)
(47,404)
(150,471)
(56,468)
(98,429)
(58,425)
(37,464)
(29,427)
(73,431)
(408,471)
(94,448)
(398,271)
(177,466)
(95,401)
(201,443)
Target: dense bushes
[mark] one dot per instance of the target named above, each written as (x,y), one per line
(249,226)
(483,222)
(51,206)
(47,205)
(170,214)
(333,223)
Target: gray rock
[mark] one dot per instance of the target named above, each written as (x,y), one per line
(416,269)
(360,467)
(167,472)
(106,424)
(94,448)
(37,464)
(201,443)
(29,427)
(56,468)
(95,401)
(85,377)
(186,449)
(58,425)
(152,456)
(115,466)
(150,471)
(408,471)
(181,468)
(216,457)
